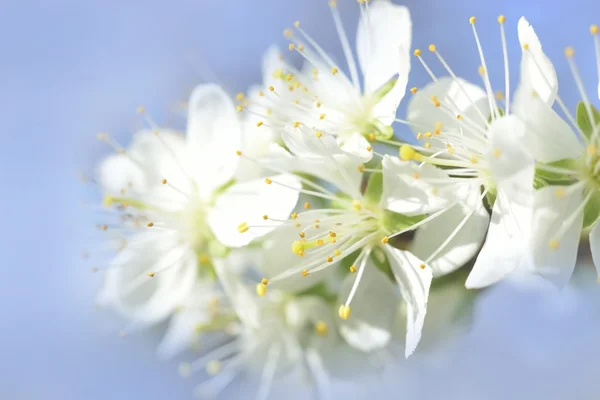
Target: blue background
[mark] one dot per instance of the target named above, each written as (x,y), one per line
(69,69)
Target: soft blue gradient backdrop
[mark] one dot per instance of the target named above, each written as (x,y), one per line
(72,68)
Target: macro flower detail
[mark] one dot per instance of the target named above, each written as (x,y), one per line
(322,96)
(484,149)
(178,207)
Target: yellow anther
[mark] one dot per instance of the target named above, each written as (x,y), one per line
(427,145)
(294,215)
(499,95)
(438,128)
(459,117)
(369,148)
(320,242)
(302,234)
(322,116)
(497,153)
(474,159)
(332,240)
(501,19)
(337,252)
(268,181)
(591,149)
(265,217)
(407,153)
(238,152)
(361,168)
(261,289)
(329,259)
(140,109)
(259,124)
(288,33)
(307,205)
(417,52)
(292,47)
(304,272)
(297,24)
(422,266)
(472,20)
(204,259)
(243,227)
(414,90)
(481,70)
(594,29)
(332,3)
(432,48)
(296,124)
(298,225)
(297,247)
(385,240)
(321,328)
(356,204)
(334,70)
(318,104)
(569,52)
(151,274)
(560,192)
(427,134)
(353,268)
(239,108)
(150,224)
(261,93)
(435,191)
(240,96)
(271,88)
(554,244)
(264,281)
(332,234)
(164,181)
(525,46)
(419,136)
(344,312)
(372,137)
(416,175)
(289,77)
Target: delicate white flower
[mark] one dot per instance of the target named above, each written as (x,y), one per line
(570,200)
(178,207)
(276,336)
(356,225)
(485,152)
(323,97)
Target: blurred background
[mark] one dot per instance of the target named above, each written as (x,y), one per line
(70,69)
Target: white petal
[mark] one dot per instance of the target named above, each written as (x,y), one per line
(383,44)
(248,202)
(132,293)
(410,190)
(213,136)
(466,242)
(414,283)
(462,97)
(537,71)
(551,213)
(357,144)
(181,333)
(595,246)
(371,320)
(548,136)
(506,244)
(117,172)
(511,164)
(323,158)
(243,298)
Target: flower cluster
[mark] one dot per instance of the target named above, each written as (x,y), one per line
(293,233)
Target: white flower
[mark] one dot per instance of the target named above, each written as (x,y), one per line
(323,97)
(486,153)
(356,225)
(571,200)
(178,207)
(276,336)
